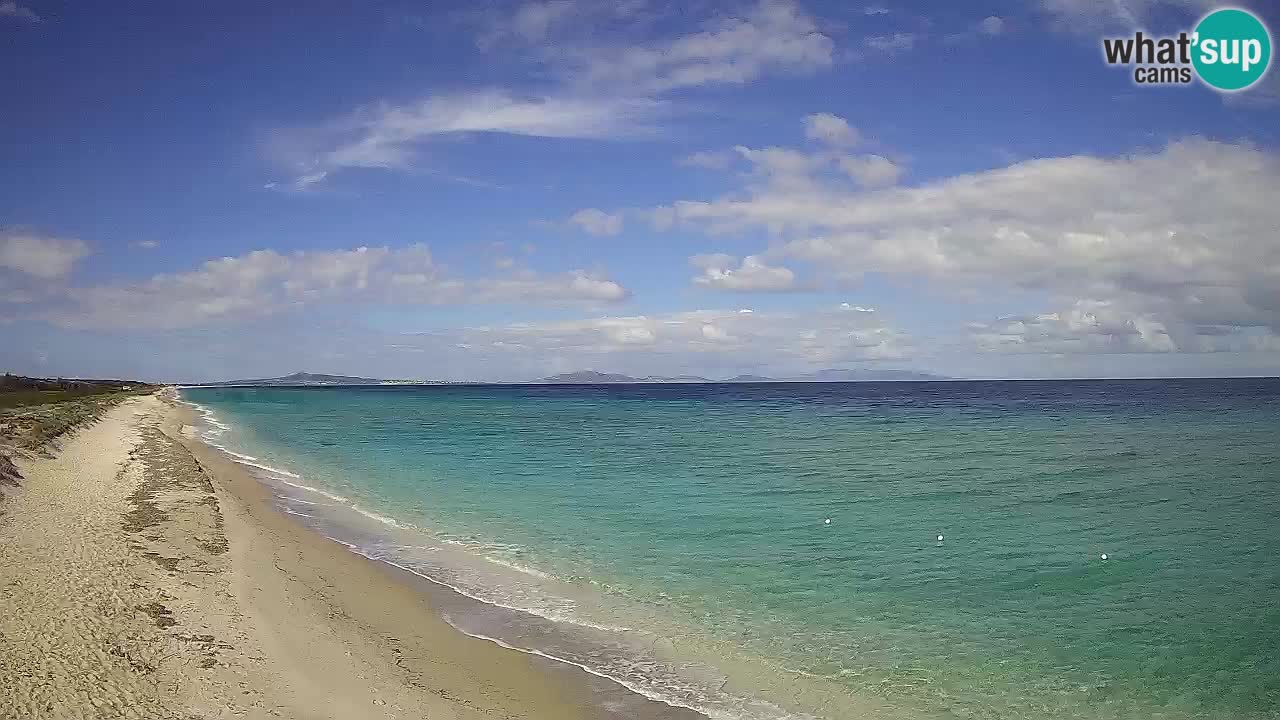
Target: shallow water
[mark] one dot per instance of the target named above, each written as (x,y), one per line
(674,537)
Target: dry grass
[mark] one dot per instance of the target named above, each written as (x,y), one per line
(27,426)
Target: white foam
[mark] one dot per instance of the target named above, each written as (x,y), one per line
(380,518)
(348,545)
(801,673)
(279,474)
(519,568)
(554,609)
(316,490)
(652,694)
(217,427)
(708,700)
(564,615)
(300,501)
(266,468)
(251,461)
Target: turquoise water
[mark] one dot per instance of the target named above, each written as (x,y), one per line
(695,517)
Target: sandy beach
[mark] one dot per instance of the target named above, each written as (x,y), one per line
(143,574)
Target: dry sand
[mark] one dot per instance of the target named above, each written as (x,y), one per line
(143,574)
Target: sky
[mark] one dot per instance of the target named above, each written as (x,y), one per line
(502,191)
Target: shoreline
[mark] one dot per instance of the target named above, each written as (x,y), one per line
(599,696)
(661,682)
(194,596)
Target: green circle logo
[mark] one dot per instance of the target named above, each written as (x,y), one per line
(1232,49)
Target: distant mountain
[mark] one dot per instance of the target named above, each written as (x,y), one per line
(862,375)
(676,379)
(302,378)
(588,377)
(592,377)
(832,375)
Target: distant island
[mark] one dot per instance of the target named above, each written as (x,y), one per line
(592,377)
(306,379)
(583,377)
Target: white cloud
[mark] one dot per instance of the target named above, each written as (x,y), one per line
(707,160)
(1085,327)
(714,343)
(1227,338)
(1186,235)
(390,136)
(1264,94)
(662,217)
(597,222)
(577,286)
(774,36)
(547,23)
(532,22)
(683,340)
(1090,16)
(263,282)
(302,182)
(871,170)
(891,44)
(40,256)
(830,129)
(873,10)
(11,296)
(500,112)
(993,25)
(784,168)
(11,9)
(791,171)
(988,27)
(1093,326)
(598,91)
(144,244)
(534,19)
(752,275)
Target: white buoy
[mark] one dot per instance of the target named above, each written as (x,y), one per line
(939,537)
(827,521)
(1104,556)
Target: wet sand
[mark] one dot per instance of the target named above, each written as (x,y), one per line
(143,574)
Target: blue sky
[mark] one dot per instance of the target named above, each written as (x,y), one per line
(506,190)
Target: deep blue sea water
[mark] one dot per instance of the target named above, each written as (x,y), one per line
(675,537)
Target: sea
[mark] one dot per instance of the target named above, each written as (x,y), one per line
(1002,549)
